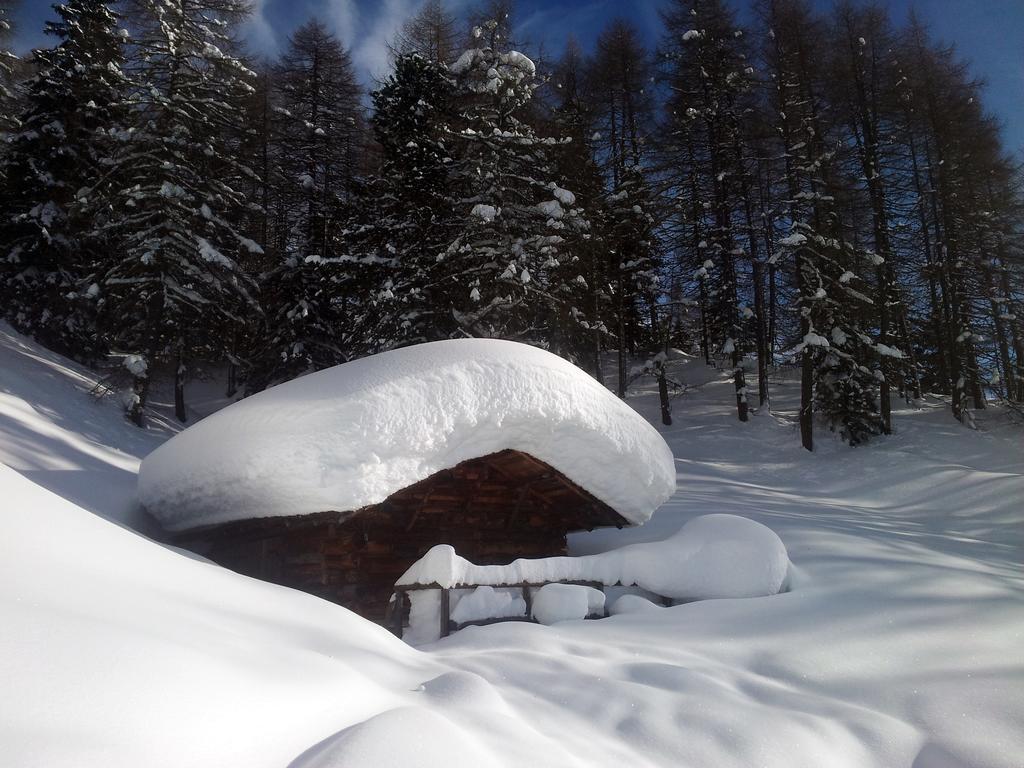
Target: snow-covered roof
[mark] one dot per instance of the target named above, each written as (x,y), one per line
(350,436)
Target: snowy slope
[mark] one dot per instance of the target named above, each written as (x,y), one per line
(56,434)
(899,645)
(121,652)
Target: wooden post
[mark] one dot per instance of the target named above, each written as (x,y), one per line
(397,608)
(445,612)
(528,599)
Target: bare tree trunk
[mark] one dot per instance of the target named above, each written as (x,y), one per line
(762,341)
(705,342)
(140,388)
(666,410)
(622,338)
(179,388)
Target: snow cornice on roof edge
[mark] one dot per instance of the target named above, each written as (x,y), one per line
(350,436)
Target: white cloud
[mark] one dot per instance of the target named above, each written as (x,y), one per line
(364,27)
(342,17)
(370,56)
(258,30)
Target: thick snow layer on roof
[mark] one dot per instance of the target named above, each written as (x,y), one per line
(350,436)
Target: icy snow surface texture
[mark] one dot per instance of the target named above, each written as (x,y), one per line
(711,556)
(350,436)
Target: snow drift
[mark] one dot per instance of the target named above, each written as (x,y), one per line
(350,436)
(118,652)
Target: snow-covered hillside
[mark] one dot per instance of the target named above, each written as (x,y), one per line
(899,645)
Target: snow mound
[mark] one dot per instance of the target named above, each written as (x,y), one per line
(488,603)
(628,604)
(713,556)
(424,737)
(566,602)
(350,436)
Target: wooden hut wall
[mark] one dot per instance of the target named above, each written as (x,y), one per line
(492,510)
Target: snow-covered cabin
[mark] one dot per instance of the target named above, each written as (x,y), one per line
(335,483)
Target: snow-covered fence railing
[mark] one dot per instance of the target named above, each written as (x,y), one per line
(714,556)
(397,613)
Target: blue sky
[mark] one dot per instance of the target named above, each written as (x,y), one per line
(989,33)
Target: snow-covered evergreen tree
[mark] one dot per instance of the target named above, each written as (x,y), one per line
(403,221)
(504,275)
(176,291)
(301,331)
(629,233)
(837,355)
(7,60)
(49,265)
(845,386)
(576,167)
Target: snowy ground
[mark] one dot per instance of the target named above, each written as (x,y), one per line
(900,644)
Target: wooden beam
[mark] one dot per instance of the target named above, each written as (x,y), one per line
(530,489)
(445,612)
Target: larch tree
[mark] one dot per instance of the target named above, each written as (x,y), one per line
(710,78)
(866,80)
(620,76)
(317,123)
(433,33)
(576,165)
(944,123)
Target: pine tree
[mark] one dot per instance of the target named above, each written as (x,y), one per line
(835,351)
(8,62)
(630,232)
(177,290)
(404,218)
(576,166)
(48,274)
(504,275)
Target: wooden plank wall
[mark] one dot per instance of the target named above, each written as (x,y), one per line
(492,510)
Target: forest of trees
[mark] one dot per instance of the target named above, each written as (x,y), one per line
(824,191)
